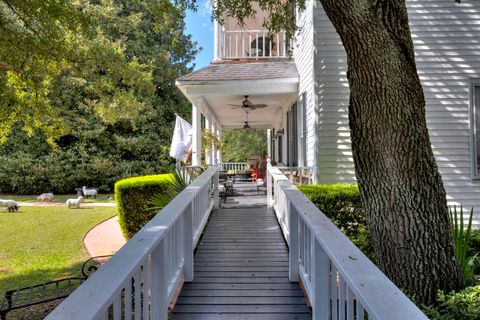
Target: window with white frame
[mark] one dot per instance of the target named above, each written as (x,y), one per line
(303,141)
(475,126)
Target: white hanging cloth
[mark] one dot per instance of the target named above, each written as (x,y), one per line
(182,139)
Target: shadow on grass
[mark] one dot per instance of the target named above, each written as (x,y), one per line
(32,278)
(38,276)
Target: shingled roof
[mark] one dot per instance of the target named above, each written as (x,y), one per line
(244,71)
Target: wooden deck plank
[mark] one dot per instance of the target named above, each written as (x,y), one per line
(242,316)
(241,271)
(249,308)
(238,268)
(242,300)
(241,286)
(241,293)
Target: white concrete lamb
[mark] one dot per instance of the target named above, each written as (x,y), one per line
(89,192)
(45,197)
(10,204)
(75,203)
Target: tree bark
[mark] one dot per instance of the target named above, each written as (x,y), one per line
(400,186)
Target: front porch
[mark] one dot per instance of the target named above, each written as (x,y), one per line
(141,280)
(249,95)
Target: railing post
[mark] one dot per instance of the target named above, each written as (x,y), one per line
(159,286)
(188,243)
(320,283)
(216,199)
(293,252)
(269,185)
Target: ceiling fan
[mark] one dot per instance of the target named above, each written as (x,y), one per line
(247,104)
(246,126)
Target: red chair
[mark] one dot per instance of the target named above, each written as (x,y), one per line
(254,174)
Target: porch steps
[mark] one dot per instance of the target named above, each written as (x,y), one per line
(241,271)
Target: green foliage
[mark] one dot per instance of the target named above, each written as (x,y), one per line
(239,145)
(342,205)
(114,56)
(462,236)
(133,196)
(340,202)
(99,112)
(175,186)
(474,246)
(463,305)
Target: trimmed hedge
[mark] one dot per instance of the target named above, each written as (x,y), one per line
(341,204)
(133,196)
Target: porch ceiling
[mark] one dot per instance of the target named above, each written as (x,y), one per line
(272,83)
(257,118)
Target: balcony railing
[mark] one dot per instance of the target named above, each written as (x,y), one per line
(140,280)
(251,44)
(236,166)
(340,281)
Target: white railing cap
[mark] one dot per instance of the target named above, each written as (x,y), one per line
(99,290)
(381,298)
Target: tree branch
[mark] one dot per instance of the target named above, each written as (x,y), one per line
(27,25)
(7,67)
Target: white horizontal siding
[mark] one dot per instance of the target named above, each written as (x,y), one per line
(447,48)
(303,55)
(446,36)
(333,149)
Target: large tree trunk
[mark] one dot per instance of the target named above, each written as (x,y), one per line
(400,186)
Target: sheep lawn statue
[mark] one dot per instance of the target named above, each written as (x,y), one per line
(74,203)
(10,204)
(89,192)
(45,197)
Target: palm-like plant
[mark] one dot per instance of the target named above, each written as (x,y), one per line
(173,187)
(461,238)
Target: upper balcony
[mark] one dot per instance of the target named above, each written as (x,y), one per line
(248,41)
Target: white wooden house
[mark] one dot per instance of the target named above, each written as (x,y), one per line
(307,94)
(302,102)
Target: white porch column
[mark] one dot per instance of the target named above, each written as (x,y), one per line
(216,43)
(214,148)
(208,152)
(269,143)
(219,152)
(197,136)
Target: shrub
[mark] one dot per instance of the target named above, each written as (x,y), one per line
(474,246)
(133,196)
(462,236)
(341,204)
(462,305)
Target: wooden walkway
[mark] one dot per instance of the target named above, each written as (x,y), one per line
(241,271)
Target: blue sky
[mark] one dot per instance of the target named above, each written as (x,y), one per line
(200,26)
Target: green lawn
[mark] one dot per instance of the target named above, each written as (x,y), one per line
(58,198)
(39,244)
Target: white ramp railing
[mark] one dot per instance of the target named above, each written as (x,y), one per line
(140,280)
(340,281)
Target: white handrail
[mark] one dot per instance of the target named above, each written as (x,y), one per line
(143,275)
(339,279)
(236,44)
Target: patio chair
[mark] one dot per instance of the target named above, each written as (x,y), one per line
(261,185)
